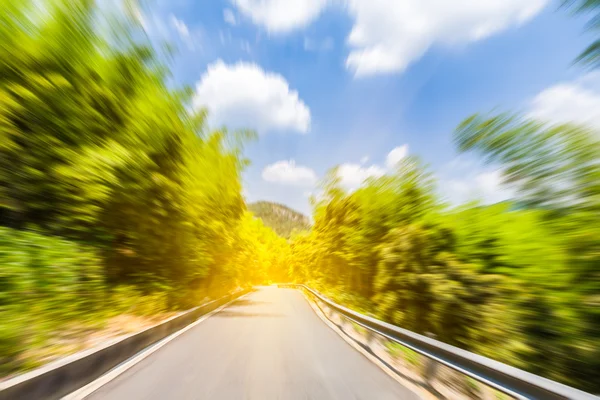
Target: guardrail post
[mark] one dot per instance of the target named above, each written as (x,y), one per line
(370,339)
(342,322)
(431,366)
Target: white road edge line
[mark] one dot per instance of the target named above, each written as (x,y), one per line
(375,360)
(93,386)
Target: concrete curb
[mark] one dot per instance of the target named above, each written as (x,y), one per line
(60,378)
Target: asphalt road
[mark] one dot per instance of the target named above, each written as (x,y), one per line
(267,345)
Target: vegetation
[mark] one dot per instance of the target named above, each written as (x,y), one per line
(591,55)
(283,220)
(54,296)
(107,183)
(517,284)
(261,254)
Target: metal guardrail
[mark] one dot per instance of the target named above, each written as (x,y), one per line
(504,378)
(64,376)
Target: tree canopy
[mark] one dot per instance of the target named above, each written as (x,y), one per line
(591,55)
(109,181)
(506,282)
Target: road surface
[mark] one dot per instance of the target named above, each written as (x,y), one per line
(267,345)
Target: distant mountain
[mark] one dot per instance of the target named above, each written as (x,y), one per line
(283,220)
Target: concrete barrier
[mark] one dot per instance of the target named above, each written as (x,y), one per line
(62,377)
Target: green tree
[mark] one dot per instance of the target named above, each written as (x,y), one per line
(591,55)
(554,166)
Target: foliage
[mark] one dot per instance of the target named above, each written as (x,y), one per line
(591,55)
(135,204)
(498,280)
(49,285)
(554,166)
(260,252)
(98,149)
(44,281)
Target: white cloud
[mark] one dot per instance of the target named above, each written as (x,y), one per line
(180,27)
(353,175)
(229,17)
(484,185)
(490,185)
(243,95)
(287,172)
(577,101)
(388,35)
(396,155)
(280,16)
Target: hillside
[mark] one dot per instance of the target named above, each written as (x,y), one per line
(283,220)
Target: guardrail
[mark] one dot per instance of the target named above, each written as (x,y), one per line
(60,378)
(512,381)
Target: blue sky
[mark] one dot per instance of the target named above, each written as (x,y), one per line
(345,82)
